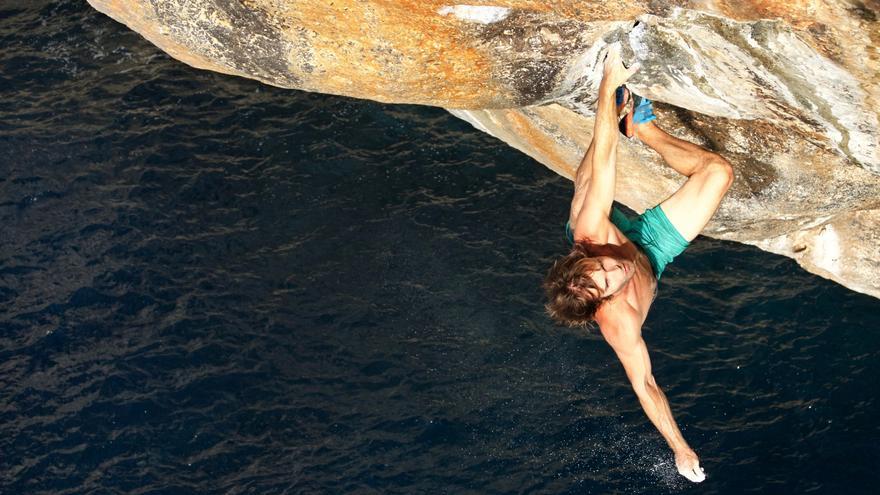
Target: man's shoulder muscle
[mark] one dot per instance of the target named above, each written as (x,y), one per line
(620,324)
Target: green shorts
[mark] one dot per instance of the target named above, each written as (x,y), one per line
(652,232)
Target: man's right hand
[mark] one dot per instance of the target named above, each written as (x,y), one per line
(615,74)
(688,465)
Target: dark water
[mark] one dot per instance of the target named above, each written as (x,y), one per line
(212,286)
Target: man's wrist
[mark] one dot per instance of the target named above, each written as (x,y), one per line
(682,448)
(605,89)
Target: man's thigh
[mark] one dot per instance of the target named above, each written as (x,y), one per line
(692,206)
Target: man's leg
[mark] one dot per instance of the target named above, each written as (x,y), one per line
(709,177)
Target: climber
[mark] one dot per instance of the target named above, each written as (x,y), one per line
(610,276)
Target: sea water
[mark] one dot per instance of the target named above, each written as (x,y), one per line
(209,285)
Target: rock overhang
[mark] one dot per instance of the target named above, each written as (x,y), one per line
(787,92)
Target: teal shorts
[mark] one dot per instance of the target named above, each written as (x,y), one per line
(652,232)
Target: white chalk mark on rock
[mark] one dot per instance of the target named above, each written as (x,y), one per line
(482,14)
(826,250)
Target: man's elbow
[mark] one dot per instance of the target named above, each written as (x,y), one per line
(644,385)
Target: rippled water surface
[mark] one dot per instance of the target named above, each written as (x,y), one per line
(208,285)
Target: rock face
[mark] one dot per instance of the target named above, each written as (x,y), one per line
(787,91)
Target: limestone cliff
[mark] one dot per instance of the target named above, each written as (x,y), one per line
(787,91)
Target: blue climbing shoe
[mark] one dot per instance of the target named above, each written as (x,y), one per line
(641,111)
(644,110)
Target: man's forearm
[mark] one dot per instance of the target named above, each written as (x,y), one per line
(656,406)
(605,133)
(585,169)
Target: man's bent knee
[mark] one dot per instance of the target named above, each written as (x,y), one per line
(718,170)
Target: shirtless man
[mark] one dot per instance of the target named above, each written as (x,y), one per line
(611,274)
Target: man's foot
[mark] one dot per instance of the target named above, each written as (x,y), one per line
(644,110)
(641,112)
(625,108)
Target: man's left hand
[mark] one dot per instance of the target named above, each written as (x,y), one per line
(688,465)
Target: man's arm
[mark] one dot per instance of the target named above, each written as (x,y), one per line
(625,337)
(595,180)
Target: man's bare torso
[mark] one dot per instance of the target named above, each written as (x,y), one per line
(638,294)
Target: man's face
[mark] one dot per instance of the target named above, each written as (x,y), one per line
(613,275)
